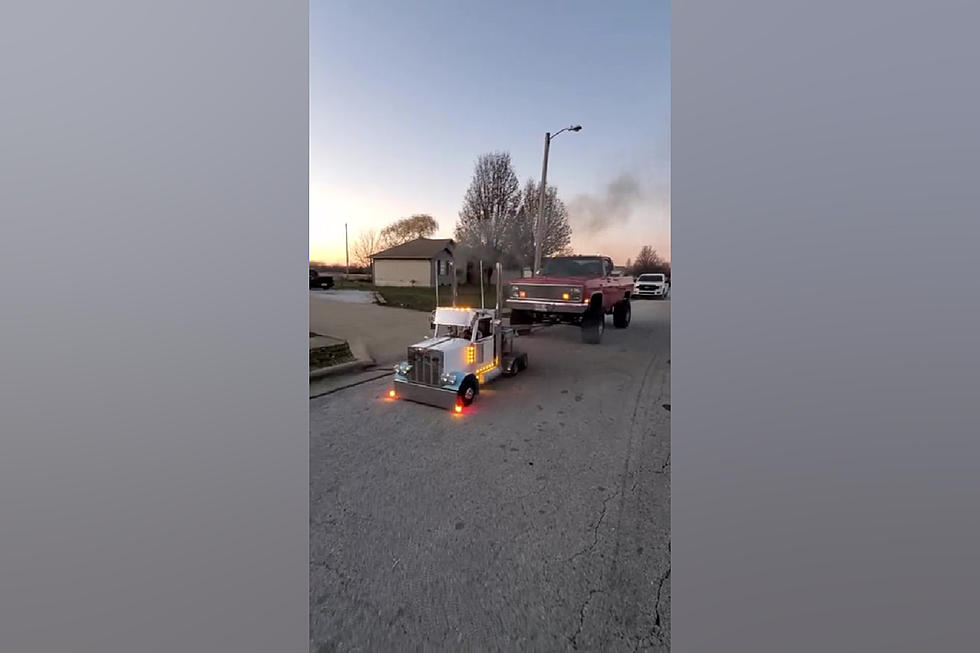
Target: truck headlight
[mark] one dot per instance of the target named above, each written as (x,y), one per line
(448,378)
(514,290)
(403,367)
(575,294)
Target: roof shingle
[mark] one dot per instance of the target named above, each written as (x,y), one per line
(420,248)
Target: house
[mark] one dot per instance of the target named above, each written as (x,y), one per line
(418,262)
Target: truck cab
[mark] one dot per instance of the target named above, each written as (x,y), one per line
(580,290)
(467,348)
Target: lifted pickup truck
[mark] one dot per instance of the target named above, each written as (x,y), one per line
(579,290)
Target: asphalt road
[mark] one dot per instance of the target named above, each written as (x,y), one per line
(538,521)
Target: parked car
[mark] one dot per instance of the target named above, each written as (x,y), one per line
(651,285)
(578,290)
(322,281)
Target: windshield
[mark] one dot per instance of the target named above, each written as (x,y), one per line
(651,277)
(452,331)
(572,267)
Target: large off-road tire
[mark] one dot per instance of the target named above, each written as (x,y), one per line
(593,326)
(468,390)
(622,314)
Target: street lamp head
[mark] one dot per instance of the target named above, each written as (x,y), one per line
(576,128)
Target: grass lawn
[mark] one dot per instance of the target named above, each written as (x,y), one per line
(424,299)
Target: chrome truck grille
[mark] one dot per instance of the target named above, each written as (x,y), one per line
(542,292)
(426,365)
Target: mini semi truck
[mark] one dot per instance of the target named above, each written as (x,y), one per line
(468,348)
(578,290)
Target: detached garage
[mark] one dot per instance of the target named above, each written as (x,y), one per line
(419,262)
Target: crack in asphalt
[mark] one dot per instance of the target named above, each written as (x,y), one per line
(660,589)
(657,632)
(595,529)
(581,618)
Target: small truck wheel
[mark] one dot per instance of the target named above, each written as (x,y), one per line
(622,314)
(592,328)
(468,390)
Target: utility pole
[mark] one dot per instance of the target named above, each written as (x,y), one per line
(540,230)
(346,249)
(539,236)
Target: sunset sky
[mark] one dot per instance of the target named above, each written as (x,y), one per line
(405,96)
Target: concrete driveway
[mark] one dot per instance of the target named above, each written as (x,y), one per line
(539,521)
(384,331)
(346,296)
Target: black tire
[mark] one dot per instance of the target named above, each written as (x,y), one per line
(593,326)
(521,321)
(622,313)
(519,317)
(468,390)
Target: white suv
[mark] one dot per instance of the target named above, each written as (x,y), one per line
(651,285)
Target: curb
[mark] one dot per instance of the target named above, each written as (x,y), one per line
(339,369)
(362,360)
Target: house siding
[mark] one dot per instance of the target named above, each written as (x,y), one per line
(403,272)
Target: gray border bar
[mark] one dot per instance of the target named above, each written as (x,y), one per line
(825,313)
(153,387)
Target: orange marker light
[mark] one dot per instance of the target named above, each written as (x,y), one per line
(565,296)
(391,393)
(522,294)
(458,408)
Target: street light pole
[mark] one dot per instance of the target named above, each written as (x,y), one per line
(539,236)
(542,193)
(346,249)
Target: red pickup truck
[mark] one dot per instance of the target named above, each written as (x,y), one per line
(578,290)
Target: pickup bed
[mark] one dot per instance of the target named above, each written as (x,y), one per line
(579,290)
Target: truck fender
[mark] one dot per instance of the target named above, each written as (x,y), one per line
(595,303)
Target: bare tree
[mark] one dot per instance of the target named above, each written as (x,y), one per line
(420,225)
(367,243)
(557,230)
(489,206)
(648,261)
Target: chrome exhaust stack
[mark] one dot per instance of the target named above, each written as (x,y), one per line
(500,290)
